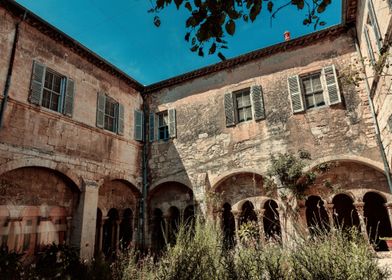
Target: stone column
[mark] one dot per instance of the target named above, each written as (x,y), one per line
(303,227)
(218,218)
(237,216)
(84,220)
(330,212)
(260,219)
(68,232)
(359,207)
(388,206)
(117,237)
(284,225)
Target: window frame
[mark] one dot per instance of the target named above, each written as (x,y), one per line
(313,92)
(114,118)
(164,127)
(237,107)
(61,93)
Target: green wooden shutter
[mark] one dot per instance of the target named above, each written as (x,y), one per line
(138,125)
(120,119)
(151,123)
(256,93)
(297,104)
(172,123)
(369,46)
(101,100)
(374,22)
(69,97)
(229,109)
(332,85)
(37,83)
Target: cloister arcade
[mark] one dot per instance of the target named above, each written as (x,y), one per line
(345,194)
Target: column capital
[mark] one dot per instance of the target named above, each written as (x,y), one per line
(359,205)
(236,214)
(388,205)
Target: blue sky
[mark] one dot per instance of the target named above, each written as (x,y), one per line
(123,33)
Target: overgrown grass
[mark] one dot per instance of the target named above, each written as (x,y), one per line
(199,254)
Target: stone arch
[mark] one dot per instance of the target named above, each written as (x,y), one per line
(42,163)
(236,188)
(169,179)
(119,194)
(224,176)
(248,213)
(347,158)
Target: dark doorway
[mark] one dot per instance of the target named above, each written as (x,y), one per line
(174,223)
(271,221)
(316,215)
(228,226)
(377,220)
(110,233)
(345,214)
(126,229)
(158,230)
(98,241)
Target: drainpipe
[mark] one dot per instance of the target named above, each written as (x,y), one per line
(9,73)
(144,171)
(374,117)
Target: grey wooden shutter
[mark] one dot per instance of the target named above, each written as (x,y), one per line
(297,103)
(332,85)
(172,123)
(120,119)
(151,123)
(138,125)
(374,22)
(369,46)
(229,109)
(101,100)
(37,83)
(69,98)
(256,93)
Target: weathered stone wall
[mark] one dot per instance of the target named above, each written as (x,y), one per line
(204,145)
(76,142)
(382,90)
(32,135)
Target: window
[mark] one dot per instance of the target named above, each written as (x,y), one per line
(243,105)
(163,128)
(313,91)
(373,23)
(166,125)
(110,114)
(51,90)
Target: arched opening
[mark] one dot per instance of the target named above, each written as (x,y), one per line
(126,229)
(158,230)
(189,216)
(316,215)
(98,233)
(110,230)
(174,223)
(228,226)
(42,202)
(248,213)
(271,221)
(345,214)
(377,220)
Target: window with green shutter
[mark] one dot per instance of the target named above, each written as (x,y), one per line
(110,114)
(314,90)
(51,90)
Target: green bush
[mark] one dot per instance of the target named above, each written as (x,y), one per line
(10,265)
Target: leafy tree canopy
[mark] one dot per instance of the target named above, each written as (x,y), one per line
(211,20)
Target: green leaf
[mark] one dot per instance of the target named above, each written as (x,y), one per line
(270,6)
(221,56)
(322,23)
(178,3)
(201,53)
(194,48)
(230,27)
(157,21)
(188,6)
(187,36)
(212,49)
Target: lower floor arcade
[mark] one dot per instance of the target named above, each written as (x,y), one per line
(40,206)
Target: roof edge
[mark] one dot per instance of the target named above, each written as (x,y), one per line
(57,35)
(253,55)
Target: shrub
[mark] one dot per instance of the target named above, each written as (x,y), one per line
(336,255)
(10,265)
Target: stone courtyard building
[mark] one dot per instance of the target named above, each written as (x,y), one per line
(90,157)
